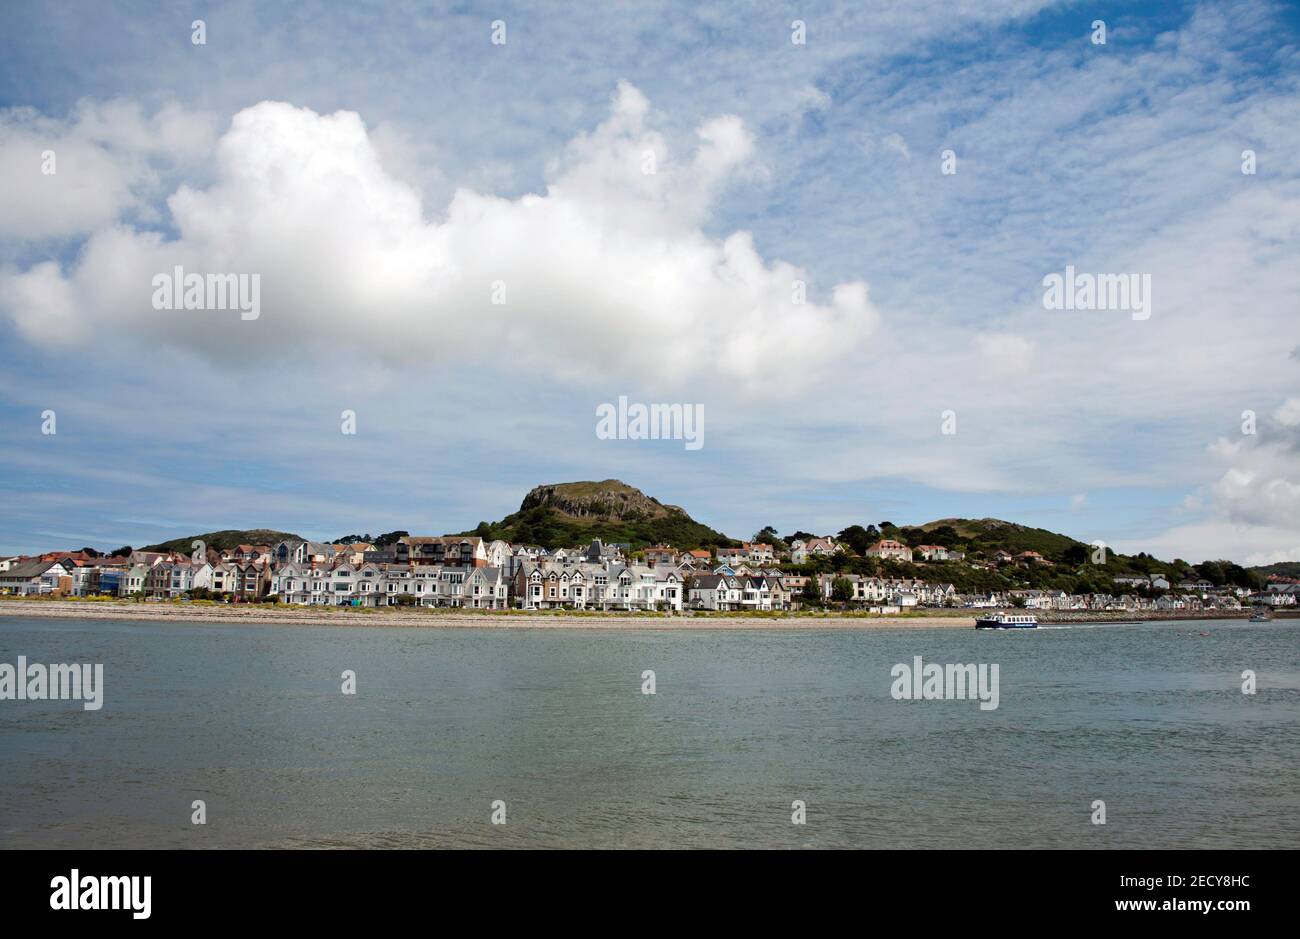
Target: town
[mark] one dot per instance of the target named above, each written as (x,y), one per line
(471,572)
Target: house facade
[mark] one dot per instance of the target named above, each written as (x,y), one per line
(888,549)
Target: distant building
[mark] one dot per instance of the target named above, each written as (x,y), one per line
(888,549)
(660,554)
(934,552)
(801,551)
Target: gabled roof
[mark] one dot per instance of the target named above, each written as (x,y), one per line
(706,581)
(29,569)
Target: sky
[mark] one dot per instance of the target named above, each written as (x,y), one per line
(474,225)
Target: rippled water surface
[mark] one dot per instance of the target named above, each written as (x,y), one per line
(1151,719)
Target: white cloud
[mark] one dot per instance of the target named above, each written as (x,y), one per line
(1211,540)
(107,160)
(1253,508)
(607,273)
(1260,484)
(43,305)
(1288,414)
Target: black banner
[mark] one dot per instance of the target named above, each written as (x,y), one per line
(148,889)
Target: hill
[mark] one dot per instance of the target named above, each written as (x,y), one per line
(222,540)
(566,514)
(1280,568)
(993,534)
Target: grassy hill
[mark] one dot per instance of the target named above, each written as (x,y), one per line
(989,535)
(1281,568)
(222,540)
(566,514)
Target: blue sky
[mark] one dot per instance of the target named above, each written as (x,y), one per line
(381,165)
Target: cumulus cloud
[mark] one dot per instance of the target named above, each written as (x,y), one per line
(609,271)
(1260,484)
(1252,510)
(1288,415)
(68,177)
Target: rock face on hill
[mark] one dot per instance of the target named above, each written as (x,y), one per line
(610,499)
(567,514)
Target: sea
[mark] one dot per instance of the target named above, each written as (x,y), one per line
(1158,735)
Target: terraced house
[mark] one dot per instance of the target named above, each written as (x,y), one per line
(549,586)
(755,592)
(461,551)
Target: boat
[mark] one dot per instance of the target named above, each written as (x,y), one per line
(1261,616)
(1002,620)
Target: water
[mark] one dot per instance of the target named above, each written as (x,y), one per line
(1151,719)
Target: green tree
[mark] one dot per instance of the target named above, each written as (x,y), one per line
(768,535)
(857,538)
(1075,554)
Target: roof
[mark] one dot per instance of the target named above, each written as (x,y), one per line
(706,581)
(29,569)
(440,539)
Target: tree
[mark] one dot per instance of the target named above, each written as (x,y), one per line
(1213,571)
(768,535)
(841,590)
(90,552)
(857,538)
(1075,554)
(800,536)
(812,592)
(123,552)
(945,535)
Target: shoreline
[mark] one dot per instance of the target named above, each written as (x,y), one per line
(416,618)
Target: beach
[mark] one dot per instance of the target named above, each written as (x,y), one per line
(444,618)
(418,618)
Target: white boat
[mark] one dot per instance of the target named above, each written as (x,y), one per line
(1002,620)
